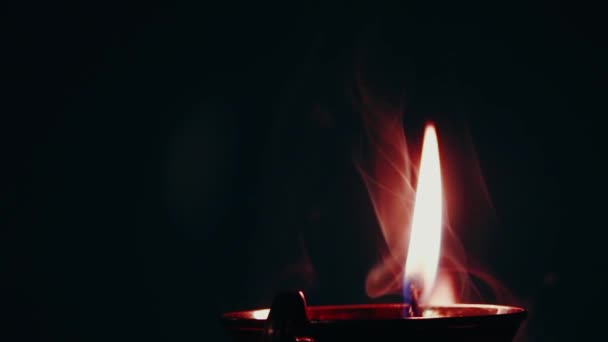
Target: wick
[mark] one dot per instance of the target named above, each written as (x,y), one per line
(414,309)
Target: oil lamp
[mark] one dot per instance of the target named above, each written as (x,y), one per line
(416,319)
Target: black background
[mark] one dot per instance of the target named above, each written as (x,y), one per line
(167,162)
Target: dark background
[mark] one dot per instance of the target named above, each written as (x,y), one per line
(166,162)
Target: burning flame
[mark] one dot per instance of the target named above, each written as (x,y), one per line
(425,234)
(398,205)
(387,171)
(414,236)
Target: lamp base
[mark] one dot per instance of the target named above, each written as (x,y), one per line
(290,319)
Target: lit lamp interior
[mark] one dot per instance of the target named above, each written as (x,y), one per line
(425,313)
